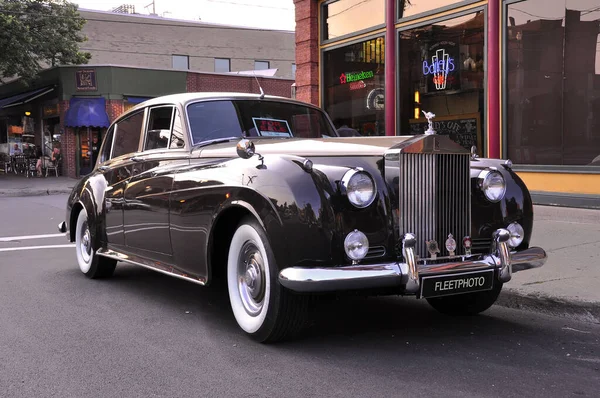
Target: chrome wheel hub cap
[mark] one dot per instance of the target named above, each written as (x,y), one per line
(86,243)
(251,282)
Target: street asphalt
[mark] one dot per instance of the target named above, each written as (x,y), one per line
(143,334)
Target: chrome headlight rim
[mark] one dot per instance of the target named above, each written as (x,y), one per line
(345,182)
(485,177)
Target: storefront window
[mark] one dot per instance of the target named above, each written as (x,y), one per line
(348,16)
(553,82)
(441,70)
(408,8)
(354,87)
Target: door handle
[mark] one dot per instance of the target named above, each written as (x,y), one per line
(136,158)
(103,168)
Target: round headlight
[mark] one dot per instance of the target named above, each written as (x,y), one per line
(359,187)
(517,233)
(493,185)
(356,245)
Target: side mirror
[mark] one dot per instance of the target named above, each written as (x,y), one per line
(245,149)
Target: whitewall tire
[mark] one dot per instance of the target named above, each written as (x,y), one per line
(92,265)
(261,306)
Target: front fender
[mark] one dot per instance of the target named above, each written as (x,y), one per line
(88,194)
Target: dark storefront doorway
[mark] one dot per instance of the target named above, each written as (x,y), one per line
(88,145)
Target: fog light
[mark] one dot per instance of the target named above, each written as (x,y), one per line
(356,245)
(516,234)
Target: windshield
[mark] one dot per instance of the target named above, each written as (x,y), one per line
(211,120)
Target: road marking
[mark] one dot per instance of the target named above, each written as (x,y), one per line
(10,249)
(25,237)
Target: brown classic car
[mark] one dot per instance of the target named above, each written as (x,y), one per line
(262,191)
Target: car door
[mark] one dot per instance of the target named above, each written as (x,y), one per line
(146,210)
(125,139)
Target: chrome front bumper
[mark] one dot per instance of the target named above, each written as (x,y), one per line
(407,274)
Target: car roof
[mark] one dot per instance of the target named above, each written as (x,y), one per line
(185,98)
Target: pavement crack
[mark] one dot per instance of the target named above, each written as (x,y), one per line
(548,280)
(571,246)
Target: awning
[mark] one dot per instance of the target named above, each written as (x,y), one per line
(136,100)
(87,112)
(24,98)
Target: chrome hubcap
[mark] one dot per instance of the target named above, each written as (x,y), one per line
(86,243)
(251,282)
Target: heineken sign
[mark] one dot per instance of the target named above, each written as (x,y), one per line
(350,77)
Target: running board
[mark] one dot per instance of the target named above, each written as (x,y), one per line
(151,265)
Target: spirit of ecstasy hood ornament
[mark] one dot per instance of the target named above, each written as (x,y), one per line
(429,116)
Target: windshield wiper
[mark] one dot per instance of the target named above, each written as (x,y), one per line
(217,141)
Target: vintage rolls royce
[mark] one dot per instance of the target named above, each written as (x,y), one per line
(262,191)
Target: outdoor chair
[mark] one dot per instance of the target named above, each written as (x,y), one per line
(5,162)
(53,166)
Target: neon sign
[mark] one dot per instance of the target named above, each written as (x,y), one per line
(441,65)
(349,77)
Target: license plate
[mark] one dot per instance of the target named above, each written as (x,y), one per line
(447,285)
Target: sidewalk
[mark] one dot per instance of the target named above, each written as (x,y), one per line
(18,185)
(567,285)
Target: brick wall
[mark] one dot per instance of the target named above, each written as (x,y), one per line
(68,143)
(307,51)
(114,108)
(201,82)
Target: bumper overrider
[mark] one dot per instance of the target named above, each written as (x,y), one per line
(459,274)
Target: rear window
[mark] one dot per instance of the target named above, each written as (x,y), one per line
(254,118)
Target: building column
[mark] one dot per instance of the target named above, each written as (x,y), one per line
(68,143)
(307,51)
(390,68)
(494,104)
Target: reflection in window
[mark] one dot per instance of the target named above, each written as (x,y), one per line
(347,16)
(442,71)
(408,8)
(128,135)
(222,65)
(212,120)
(261,65)
(354,87)
(553,81)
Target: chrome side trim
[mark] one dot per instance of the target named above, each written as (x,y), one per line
(154,266)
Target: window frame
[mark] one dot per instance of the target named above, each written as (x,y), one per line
(322,23)
(267,62)
(125,117)
(187,57)
(110,132)
(425,14)
(430,21)
(222,59)
(147,124)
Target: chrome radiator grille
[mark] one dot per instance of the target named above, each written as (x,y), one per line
(435,199)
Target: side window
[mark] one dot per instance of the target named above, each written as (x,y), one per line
(159,128)
(177,140)
(127,138)
(107,145)
(213,120)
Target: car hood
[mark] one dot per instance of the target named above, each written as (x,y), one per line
(337,146)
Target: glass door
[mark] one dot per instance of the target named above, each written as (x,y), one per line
(85,151)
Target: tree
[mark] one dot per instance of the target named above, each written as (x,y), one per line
(35,34)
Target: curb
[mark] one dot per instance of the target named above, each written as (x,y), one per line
(554,306)
(35,192)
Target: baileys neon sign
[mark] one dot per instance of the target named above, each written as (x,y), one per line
(441,65)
